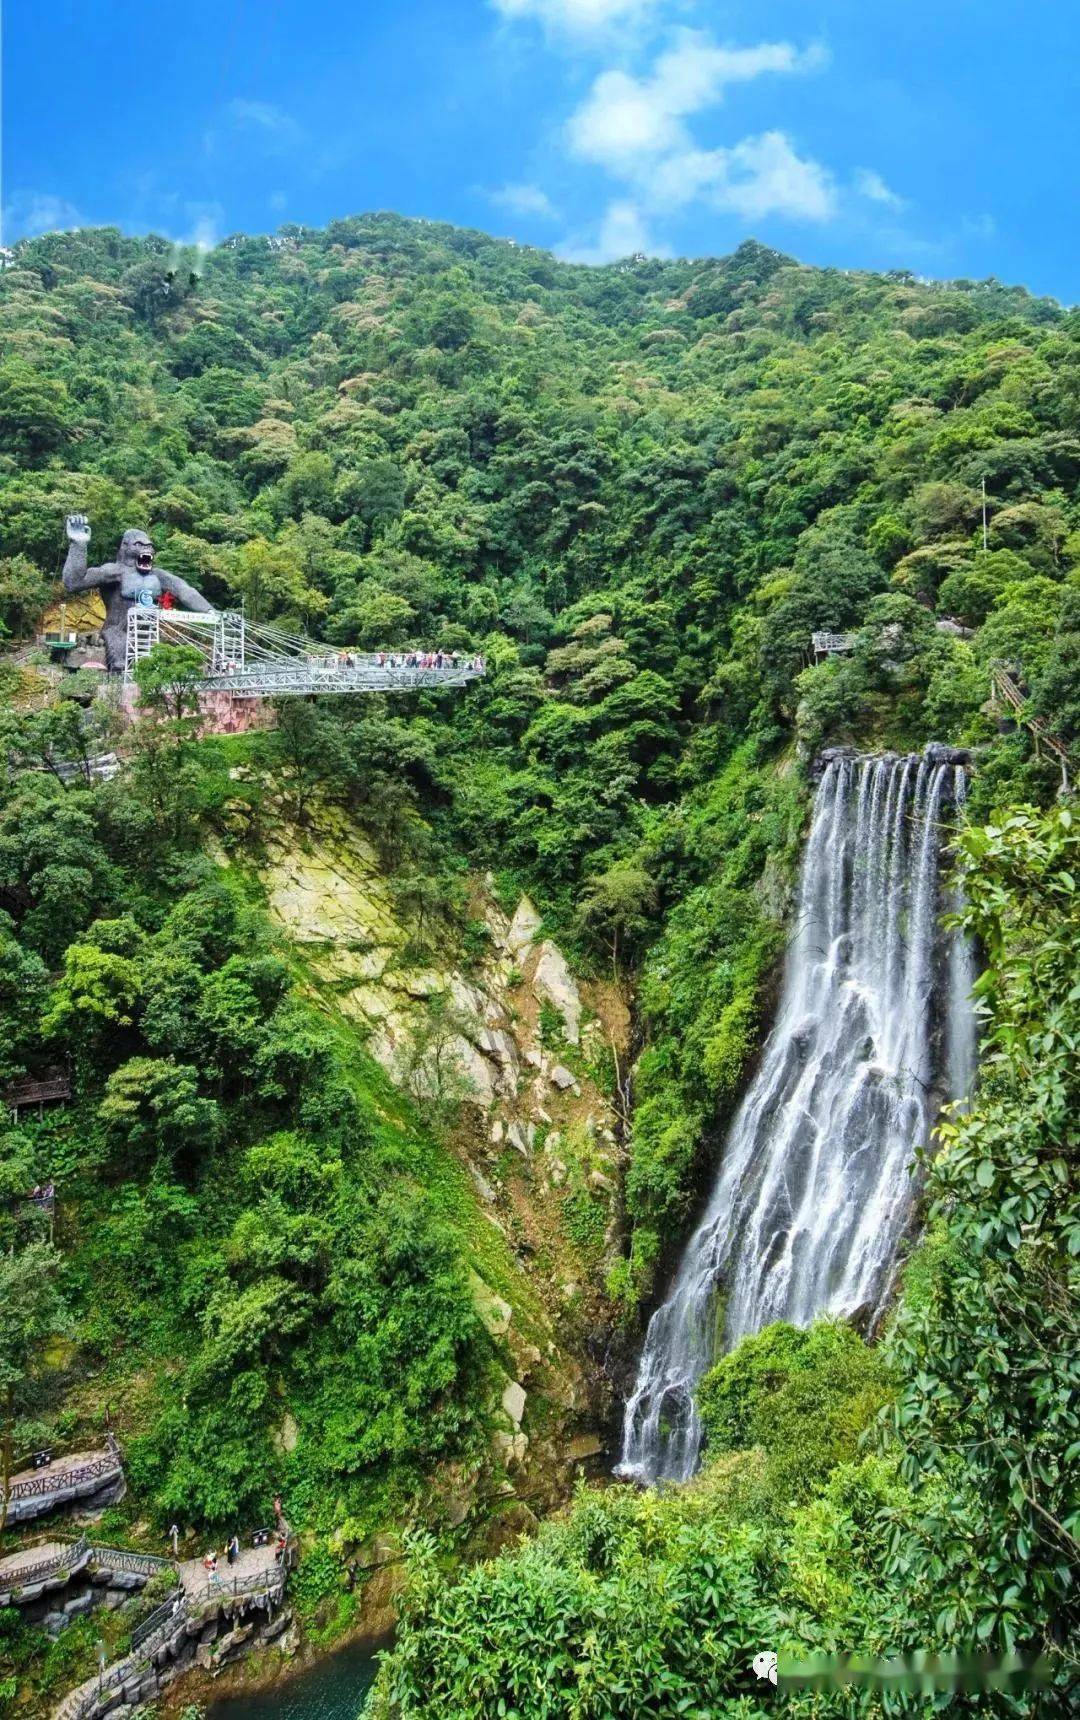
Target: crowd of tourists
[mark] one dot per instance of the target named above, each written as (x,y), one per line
(430,660)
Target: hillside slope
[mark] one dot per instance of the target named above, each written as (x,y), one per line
(638,490)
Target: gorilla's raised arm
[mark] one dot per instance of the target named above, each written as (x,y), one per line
(77,576)
(185,594)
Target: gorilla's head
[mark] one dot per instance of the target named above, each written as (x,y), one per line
(136,551)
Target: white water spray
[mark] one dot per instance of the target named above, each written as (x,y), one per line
(814,1188)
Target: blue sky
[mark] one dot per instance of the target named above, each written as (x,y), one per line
(938,137)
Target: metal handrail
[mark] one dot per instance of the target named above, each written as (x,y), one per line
(1005,684)
(84,1696)
(165,1613)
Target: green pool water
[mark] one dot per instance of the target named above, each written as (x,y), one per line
(334,1689)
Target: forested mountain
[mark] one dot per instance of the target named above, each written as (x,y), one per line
(638,490)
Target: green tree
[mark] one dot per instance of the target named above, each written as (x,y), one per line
(617,905)
(34,1310)
(153,1109)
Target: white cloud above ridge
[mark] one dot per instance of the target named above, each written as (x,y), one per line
(624,119)
(577,17)
(635,123)
(28,214)
(755,178)
(524,199)
(623,232)
(870,184)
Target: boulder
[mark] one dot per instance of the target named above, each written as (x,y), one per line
(553,983)
(938,753)
(523,928)
(484,1188)
(583,1445)
(493,1311)
(513,1402)
(561,1077)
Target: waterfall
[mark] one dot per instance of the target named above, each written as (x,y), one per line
(814,1188)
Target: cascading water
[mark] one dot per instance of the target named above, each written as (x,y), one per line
(814,1188)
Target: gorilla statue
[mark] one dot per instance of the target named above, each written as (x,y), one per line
(129,580)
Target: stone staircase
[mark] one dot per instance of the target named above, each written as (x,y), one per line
(187,1629)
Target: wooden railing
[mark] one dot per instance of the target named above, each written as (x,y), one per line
(1003,686)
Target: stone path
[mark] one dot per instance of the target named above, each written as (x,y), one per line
(27,1559)
(56,1473)
(253,1563)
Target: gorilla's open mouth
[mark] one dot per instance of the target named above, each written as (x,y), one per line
(144,558)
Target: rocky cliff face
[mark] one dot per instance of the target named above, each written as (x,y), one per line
(515,1062)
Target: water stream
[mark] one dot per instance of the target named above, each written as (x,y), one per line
(334,1688)
(875,1028)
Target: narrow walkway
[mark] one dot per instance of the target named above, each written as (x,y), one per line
(50,1553)
(76,1475)
(34,1567)
(167,1634)
(1004,688)
(57,1474)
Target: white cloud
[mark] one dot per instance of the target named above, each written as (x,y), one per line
(870,184)
(577,17)
(625,119)
(621,119)
(525,200)
(623,233)
(757,177)
(29,213)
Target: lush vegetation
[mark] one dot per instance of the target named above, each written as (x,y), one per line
(638,490)
(852,1501)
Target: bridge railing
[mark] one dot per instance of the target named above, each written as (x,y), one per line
(65,1559)
(826,644)
(138,1564)
(256,1582)
(165,1614)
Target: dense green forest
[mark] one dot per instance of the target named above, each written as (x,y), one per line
(637,490)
